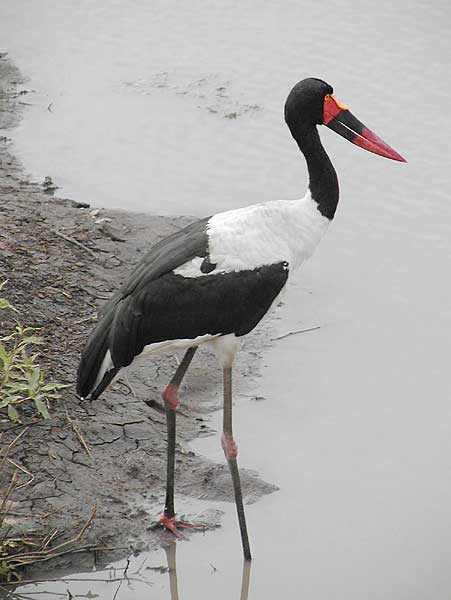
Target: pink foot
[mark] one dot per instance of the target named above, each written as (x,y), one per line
(172,525)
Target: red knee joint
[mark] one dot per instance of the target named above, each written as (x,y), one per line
(171,395)
(229,446)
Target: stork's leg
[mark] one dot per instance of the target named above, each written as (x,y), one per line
(171,402)
(230,450)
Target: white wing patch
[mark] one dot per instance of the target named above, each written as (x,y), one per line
(191,268)
(107,365)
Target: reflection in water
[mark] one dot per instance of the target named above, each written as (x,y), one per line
(245,580)
(173,584)
(172,566)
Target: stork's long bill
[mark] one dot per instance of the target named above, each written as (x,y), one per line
(339,118)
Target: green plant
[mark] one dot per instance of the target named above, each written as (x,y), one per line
(21,379)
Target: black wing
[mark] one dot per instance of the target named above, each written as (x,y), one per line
(175,307)
(163,257)
(168,254)
(156,305)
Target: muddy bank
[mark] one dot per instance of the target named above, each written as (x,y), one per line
(62,260)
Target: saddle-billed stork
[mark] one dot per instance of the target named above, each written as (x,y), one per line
(214,280)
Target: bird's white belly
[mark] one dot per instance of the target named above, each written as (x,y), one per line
(165,346)
(173,345)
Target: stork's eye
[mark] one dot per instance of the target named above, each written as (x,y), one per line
(326,97)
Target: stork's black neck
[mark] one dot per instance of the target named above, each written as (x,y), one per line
(323,178)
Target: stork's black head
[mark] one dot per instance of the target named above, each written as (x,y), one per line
(311,103)
(305,103)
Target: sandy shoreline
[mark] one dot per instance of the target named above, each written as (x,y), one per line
(57,284)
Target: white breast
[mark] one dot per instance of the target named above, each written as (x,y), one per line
(262,234)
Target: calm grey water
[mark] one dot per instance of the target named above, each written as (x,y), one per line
(177,108)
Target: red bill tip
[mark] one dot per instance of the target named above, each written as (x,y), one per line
(368,140)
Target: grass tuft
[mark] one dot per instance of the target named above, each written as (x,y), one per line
(22,381)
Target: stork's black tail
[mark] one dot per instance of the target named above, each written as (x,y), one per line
(92,358)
